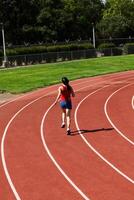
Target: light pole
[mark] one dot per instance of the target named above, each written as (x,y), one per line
(93,35)
(5,62)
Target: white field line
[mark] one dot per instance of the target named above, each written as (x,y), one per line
(133,102)
(17,98)
(53,159)
(3,142)
(8,102)
(79,83)
(6,129)
(91,147)
(109,119)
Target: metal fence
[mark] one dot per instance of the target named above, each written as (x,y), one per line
(51,57)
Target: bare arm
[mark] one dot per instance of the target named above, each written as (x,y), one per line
(73,94)
(58,96)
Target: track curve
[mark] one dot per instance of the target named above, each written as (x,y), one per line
(29,166)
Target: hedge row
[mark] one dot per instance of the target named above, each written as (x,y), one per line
(127,49)
(45,49)
(106,45)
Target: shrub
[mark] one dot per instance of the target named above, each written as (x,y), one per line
(86,46)
(128,48)
(43,49)
(26,50)
(52,48)
(106,45)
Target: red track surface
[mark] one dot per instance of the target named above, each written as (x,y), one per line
(40,162)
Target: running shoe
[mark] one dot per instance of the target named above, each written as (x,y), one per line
(63,125)
(68,132)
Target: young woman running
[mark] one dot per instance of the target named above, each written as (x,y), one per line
(65,92)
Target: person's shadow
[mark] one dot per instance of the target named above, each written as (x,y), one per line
(83,131)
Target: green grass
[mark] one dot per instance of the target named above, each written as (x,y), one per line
(24,79)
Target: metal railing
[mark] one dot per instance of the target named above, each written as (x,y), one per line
(52,57)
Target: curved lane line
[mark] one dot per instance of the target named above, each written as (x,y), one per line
(3,141)
(53,159)
(108,117)
(8,102)
(49,152)
(110,76)
(17,98)
(2,145)
(91,147)
(5,133)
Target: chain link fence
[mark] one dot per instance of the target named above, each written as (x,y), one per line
(51,57)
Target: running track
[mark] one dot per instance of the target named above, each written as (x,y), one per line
(40,162)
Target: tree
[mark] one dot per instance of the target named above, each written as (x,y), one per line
(47,20)
(80,15)
(70,19)
(50,19)
(117,21)
(15,14)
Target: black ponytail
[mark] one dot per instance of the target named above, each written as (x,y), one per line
(65,81)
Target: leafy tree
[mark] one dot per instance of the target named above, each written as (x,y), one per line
(50,19)
(47,20)
(15,14)
(118,19)
(69,18)
(79,17)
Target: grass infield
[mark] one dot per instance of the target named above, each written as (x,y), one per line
(24,79)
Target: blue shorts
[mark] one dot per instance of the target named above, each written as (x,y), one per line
(66,104)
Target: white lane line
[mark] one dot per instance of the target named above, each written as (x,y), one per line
(4,137)
(53,159)
(8,102)
(3,142)
(109,119)
(91,147)
(5,133)
(51,87)
(116,75)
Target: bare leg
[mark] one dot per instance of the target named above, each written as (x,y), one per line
(68,118)
(63,118)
